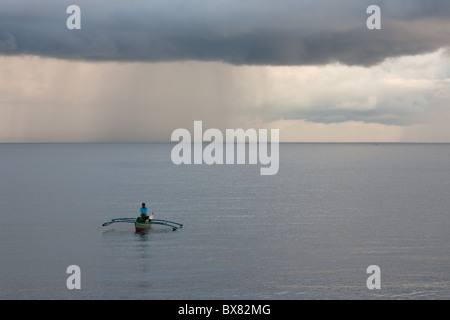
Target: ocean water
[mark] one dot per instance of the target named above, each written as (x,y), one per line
(309,232)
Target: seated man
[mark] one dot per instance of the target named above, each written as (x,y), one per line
(144,217)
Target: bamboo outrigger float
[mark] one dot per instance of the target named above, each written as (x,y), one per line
(141,226)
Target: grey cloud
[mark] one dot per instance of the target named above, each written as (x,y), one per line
(7,42)
(389,111)
(379,115)
(238,32)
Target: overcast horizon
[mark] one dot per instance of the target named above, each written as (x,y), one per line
(138,70)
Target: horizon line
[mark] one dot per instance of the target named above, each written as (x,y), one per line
(208,142)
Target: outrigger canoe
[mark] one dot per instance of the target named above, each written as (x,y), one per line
(141,226)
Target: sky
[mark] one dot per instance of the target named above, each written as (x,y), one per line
(139,69)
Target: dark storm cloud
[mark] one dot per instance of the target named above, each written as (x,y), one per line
(238,32)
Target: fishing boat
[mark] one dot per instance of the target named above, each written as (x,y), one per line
(142,226)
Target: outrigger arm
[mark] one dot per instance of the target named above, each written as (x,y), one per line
(174,225)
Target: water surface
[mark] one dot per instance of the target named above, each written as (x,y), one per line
(308,232)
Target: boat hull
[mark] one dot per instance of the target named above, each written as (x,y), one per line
(142,226)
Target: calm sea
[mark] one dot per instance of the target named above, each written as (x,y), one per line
(309,232)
